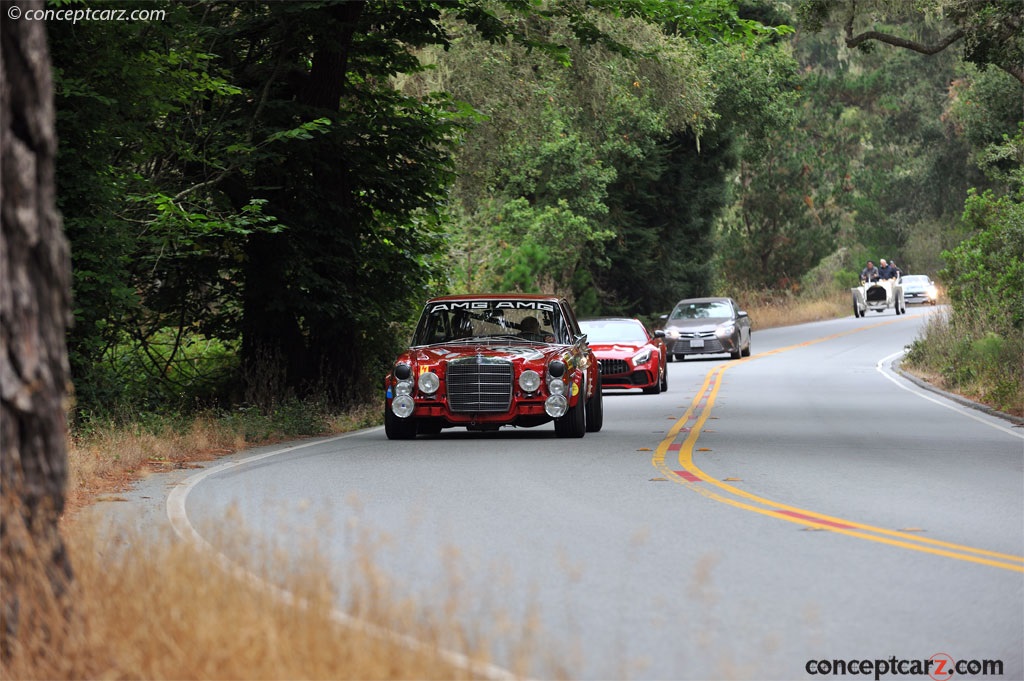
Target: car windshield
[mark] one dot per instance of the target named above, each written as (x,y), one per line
(613,331)
(705,310)
(916,279)
(498,320)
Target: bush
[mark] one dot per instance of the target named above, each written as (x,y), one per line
(978,347)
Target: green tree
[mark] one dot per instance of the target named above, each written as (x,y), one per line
(901,168)
(153,248)
(989,32)
(252,175)
(612,139)
(784,218)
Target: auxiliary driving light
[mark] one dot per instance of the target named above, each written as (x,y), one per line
(556,406)
(403,406)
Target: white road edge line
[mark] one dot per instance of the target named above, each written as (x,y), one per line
(183,527)
(882,369)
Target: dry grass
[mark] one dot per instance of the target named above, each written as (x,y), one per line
(110,457)
(772,310)
(160,609)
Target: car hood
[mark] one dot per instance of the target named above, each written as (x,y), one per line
(622,349)
(697,325)
(447,352)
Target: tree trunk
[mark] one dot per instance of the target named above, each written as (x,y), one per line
(34,316)
(280,350)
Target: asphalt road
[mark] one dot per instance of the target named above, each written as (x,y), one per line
(806,504)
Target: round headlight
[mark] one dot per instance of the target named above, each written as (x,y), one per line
(556,386)
(403,406)
(529,381)
(556,406)
(403,388)
(556,368)
(429,382)
(403,371)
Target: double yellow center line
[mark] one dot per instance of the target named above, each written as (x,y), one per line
(697,480)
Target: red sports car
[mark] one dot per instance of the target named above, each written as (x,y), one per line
(487,361)
(629,355)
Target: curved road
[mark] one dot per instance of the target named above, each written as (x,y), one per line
(760,520)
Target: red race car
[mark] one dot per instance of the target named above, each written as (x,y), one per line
(629,355)
(487,361)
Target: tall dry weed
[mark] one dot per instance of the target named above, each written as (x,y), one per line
(162,609)
(775,310)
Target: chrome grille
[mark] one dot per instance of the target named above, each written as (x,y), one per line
(479,384)
(613,366)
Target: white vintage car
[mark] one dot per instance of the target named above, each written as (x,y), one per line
(878,296)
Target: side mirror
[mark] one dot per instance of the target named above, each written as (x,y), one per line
(659,333)
(741,313)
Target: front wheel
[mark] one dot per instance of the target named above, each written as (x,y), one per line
(573,424)
(398,429)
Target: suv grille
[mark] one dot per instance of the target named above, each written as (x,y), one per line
(479,384)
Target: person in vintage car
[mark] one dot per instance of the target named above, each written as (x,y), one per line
(486,361)
(630,356)
(703,326)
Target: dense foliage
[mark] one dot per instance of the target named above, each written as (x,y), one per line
(259,195)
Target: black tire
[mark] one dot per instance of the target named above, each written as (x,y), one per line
(680,356)
(856,309)
(664,380)
(398,429)
(429,427)
(746,350)
(574,423)
(595,409)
